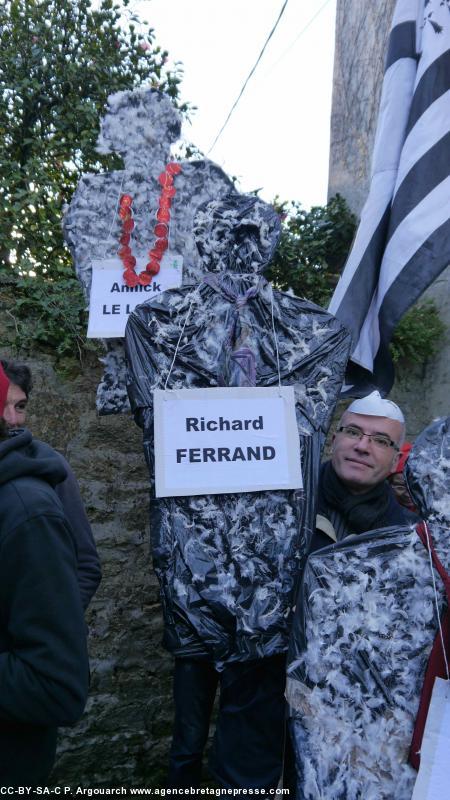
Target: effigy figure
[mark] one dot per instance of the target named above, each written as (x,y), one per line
(130,213)
(228,563)
(363,631)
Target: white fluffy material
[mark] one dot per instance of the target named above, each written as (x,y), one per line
(354,691)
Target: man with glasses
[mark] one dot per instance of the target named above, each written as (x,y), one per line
(354,495)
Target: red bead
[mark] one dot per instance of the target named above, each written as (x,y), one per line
(125,238)
(168,192)
(165,203)
(162,215)
(165,179)
(161,229)
(161,245)
(173,168)
(129,262)
(126,200)
(145,278)
(128,225)
(153,267)
(130,278)
(125,250)
(124,213)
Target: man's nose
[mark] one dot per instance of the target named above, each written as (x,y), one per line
(363,442)
(11,416)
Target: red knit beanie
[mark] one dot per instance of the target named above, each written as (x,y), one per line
(4,385)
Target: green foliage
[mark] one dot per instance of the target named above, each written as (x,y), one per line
(43,314)
(418,334)
(313,247)
(60,61)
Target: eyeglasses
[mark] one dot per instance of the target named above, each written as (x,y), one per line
(378,439)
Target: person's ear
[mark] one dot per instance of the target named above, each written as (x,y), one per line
(395,460)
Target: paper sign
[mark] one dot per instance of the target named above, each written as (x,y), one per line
(112,301)
(216,441)
(433,780)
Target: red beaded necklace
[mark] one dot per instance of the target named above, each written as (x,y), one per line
(161,230)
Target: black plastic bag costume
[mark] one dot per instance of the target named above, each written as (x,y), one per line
(362,634)
(227,564)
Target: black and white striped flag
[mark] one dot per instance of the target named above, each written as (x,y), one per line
(403,239)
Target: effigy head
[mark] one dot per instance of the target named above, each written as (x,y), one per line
(427,471)
(237,233)
(143,118)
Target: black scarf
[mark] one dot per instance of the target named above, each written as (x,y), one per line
(362,512)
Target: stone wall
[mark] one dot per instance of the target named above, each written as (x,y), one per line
(362,29)
(123,737)
(423,391)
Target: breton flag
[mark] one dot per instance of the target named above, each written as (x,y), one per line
(403,239)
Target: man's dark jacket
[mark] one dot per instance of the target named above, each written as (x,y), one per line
(353,514)
(88,563)
(43,654)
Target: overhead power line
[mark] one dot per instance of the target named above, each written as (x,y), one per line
(303,30)
(249,76)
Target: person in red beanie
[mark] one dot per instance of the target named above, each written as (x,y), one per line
(68,491)
(44,670)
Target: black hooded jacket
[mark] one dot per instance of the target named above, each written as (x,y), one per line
(43,654)
(68,491)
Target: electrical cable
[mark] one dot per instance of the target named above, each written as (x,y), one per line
(308,24)
(249,76)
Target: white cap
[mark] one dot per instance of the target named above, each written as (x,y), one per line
(375,406)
